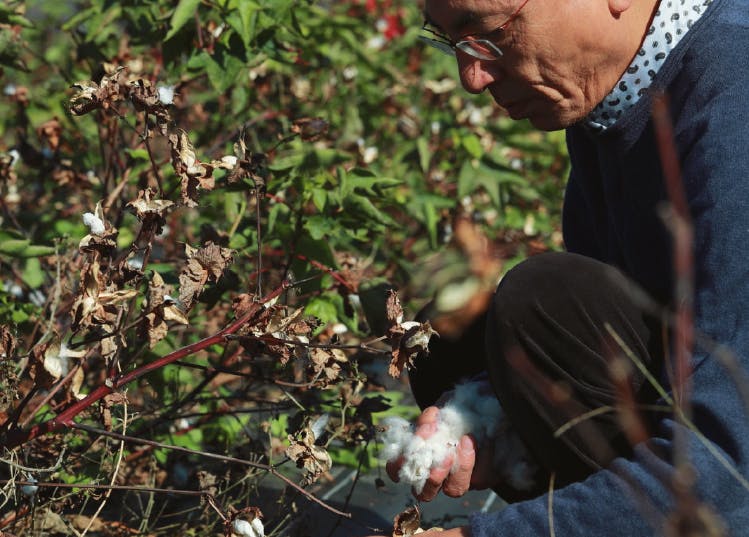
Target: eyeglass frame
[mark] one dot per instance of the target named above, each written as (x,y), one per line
(443,43)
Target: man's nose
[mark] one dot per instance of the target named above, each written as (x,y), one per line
(475,74)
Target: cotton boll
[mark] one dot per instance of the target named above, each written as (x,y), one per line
(396,435)
(471,409)
(257,525)
(457,420)
(318,426)
(416,464)
(166,94)
(30,490)
(248,529)
(94,223)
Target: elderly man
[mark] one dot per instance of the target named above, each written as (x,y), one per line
(576,340)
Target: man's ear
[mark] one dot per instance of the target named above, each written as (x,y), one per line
(617,7)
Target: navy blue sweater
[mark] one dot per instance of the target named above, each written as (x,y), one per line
(611,214)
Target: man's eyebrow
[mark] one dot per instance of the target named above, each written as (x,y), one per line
(461,19)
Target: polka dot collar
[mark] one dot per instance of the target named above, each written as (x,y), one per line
(672,20)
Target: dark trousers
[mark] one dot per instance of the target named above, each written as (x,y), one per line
(549,345)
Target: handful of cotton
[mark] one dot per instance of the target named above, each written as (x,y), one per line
(471,409)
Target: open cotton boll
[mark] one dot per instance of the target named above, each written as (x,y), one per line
(94,223)
(243,528)
(395,437)
(471,409)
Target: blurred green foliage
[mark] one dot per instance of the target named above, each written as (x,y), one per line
(364,147)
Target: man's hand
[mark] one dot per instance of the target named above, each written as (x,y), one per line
(462,531)
(472,471)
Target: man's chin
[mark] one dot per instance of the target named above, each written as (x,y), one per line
(545,120)
(548,123)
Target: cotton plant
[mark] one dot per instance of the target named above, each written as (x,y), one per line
(245,523)
(471,408)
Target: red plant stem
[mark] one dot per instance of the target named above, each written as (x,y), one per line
(681,229)
(17,436)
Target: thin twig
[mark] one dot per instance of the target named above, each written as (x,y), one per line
(116,470)
(49,469)
(271,469)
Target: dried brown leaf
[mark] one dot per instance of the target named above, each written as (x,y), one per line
(310,129)
(194,174)
(146,206)
(7,344)
(92,96)
(243,304)
(50,132)
(203,265)
(393,309)
(159,308)
(313,460)
(407,340)
(325,364)
(407,522)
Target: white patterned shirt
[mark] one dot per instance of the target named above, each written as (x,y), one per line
(672,20)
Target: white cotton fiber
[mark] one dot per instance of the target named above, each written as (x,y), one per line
(94,223)
(471,409)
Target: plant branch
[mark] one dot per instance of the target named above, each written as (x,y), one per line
(16,436)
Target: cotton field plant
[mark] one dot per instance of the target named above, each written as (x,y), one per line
(205,209)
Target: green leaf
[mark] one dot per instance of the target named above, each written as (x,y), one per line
(425,155)
(319,227)
(32,273)
(472,144)
(184,11)
(319,198)
(328,308)
(23,248)
(361,205)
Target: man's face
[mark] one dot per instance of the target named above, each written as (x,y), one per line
(557,62)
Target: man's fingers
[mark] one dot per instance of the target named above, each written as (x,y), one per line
(393,467)
(459,481)
(434,483)
(427,422)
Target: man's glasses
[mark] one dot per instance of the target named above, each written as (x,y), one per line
(476,46)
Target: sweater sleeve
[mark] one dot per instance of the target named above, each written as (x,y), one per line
(634,497)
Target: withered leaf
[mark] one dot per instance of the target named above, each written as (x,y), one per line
(313,460)
(194,173)
(110,400)
(51,132)
(207,482)
(310,129)
(407,522)
(393,309)
(203,264)
(407,340)
(146,206)
(52,360)
(243,304)
(91,96)
(485,267)
(7,344)
(325,364)
(159,308)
